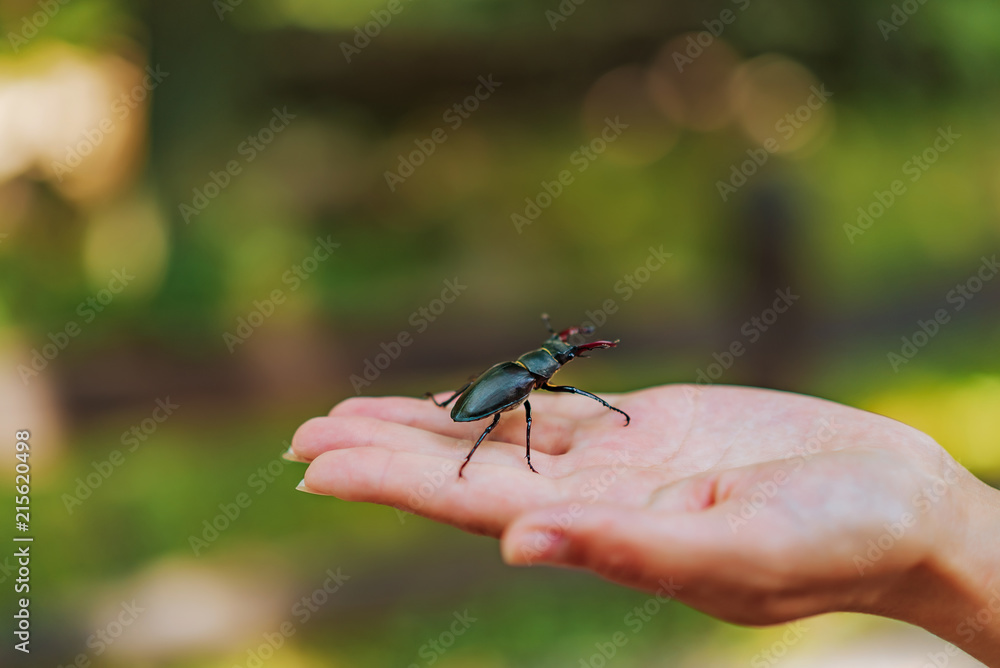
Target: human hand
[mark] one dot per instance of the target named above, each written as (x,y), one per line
(761,506)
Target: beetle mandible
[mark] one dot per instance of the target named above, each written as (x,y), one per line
(506,385)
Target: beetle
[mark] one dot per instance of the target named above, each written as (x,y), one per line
(505,386)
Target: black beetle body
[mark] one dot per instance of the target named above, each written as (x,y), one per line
(500,388)
(506,385)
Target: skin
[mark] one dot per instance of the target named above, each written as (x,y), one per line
(755,506)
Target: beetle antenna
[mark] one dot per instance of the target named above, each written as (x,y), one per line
(548,323)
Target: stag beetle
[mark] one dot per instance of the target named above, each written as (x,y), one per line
(506,385)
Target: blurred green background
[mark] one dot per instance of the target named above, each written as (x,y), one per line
(233,208)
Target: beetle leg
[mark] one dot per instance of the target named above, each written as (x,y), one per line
(449,399)
(548,323)
(576,390)
(496,419)
(527,438)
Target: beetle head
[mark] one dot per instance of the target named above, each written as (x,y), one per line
(558,344)
(564,351)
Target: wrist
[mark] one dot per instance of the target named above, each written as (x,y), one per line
(955,593)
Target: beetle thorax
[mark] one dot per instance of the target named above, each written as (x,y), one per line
(540,362)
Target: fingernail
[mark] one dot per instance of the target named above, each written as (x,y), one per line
(291,456)
(302,487)
(535,547)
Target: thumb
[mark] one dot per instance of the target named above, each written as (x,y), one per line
(632,546)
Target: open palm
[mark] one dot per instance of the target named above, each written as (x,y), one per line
(756,506)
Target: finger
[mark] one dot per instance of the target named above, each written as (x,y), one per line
(320,435)
(574,407)
(694,557)
(484,501)
(637,547)
(550,432)
(564,405)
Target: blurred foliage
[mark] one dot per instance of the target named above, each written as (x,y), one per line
(231,66)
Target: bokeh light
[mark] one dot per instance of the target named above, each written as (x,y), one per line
(784,147)
(777,99)
(694,91)
(622,94)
